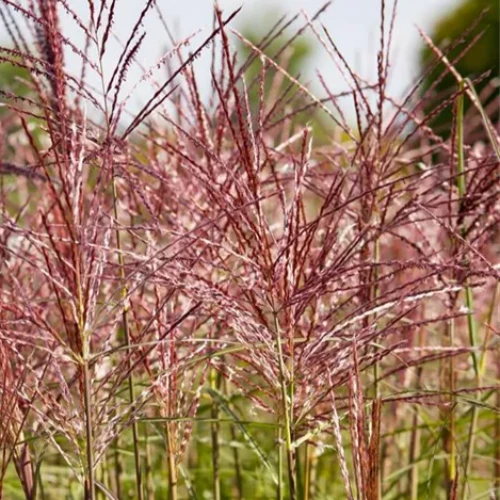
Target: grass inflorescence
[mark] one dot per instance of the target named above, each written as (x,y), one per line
(246,295)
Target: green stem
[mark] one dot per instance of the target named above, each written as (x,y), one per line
(451,388)
(279,438)
(469,300)
(497,431)
(462,193)
(414,453)
(482,367)
(376,395)
(172,466)
(148,469)
(416,434)
(286,412)
(479,378)
(130,382)
(236,457)
(90,484)
(215,439)
(307,472)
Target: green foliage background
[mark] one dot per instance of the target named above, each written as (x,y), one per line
(482,56)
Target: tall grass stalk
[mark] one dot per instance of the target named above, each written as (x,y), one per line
(171,464)
(286,413)
(416,433)
(90,491)
(215,428)
(307,470)
(471,323)
(238,478)
(128,343)
(148,468)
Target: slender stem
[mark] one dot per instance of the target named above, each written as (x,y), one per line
(188,483)
(90,485)
(135,430)
(472,430)
(130,382)
(279,438)
(414,453)
(40,486)
(148,471)
(90,490)
(479,378)
(452,426)
(376,395)
(236,457)
(374,295)
(497,429)
(462,193)
(482,368)
(471,323)
(237,466)
(215,440)
(448,411)
(172,466)
(286,412)
(307,472)
(415,434)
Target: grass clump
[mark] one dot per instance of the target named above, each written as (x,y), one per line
(199,299)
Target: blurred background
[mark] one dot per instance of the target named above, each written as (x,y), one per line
(354,26)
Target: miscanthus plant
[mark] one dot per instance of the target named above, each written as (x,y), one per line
(201,298)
